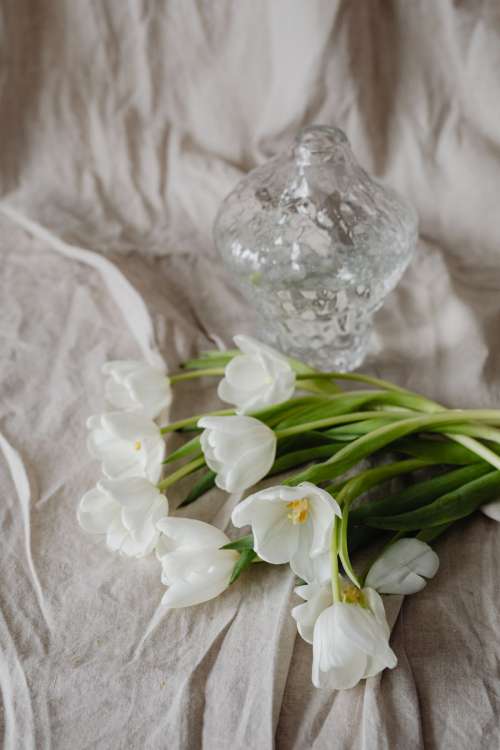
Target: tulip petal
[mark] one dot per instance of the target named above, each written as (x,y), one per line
(118,395)
(191,534)
(120,368)
(492,510)
(116,535)
(120,461)
(257,378)
(365,632)
(403,567)
(323,509)
(251,467)
(154,453)
(96,511)
(247,373)
(151,390)
(196,578)
(275,538)
(129,425)
(146,532)
(133,492)
(335,663)
(137,386)
(234,424)
(317,599)
(309,568)
(249,345)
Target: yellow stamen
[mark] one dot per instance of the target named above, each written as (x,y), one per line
(299,510)
(137,445)
(353,595)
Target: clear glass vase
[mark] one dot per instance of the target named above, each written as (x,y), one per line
(315,244)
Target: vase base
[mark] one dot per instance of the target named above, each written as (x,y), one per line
(342,355)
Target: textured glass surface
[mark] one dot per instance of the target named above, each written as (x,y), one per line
(316,245)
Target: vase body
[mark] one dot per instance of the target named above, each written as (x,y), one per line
(315,244)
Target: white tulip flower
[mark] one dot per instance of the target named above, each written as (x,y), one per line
(257,378)
(351,640)
(194,567)
(126,511)
(492,510)
(317,596)
(290,524)
(403,567)
(241,450)
(127,444)
(137,386)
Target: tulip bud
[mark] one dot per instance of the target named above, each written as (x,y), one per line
(257,378)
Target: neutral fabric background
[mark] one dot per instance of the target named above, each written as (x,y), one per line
(123,126)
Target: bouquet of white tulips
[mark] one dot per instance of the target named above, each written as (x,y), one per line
(284,416)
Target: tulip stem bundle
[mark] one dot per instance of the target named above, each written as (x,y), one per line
(315,520)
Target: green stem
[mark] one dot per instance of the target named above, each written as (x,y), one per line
(353,376)
(357,486)
(466,440)
(429,535)
(370,478)
(492,434)
(210,371)
(329,421)
(194,420)
(334,561)
(383,436)
(182,472)
(476,447)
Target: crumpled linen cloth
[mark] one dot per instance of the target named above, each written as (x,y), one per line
(124,125)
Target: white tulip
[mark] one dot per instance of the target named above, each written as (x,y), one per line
(126,511)
(137,386)
(351,641)
(257,378)
(291,524)
(193,566)
(403,567)
(241,450)
(127,444)
(492,510)
(317,596)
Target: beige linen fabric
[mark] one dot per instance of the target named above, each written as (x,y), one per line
(123,126)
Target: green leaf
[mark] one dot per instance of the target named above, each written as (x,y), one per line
(364,446)
(244,562)
(343,546)
(273,414)
(428,535)
(320,387)
(298,458)
(206,483)
(442,451)
(343,403)
(244,542)
(450,507)
(312,439)
(355,429)
(370,478)
(361,536)
(419,494)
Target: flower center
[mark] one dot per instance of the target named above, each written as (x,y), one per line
(353,595)
(299,510)
(137,445)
